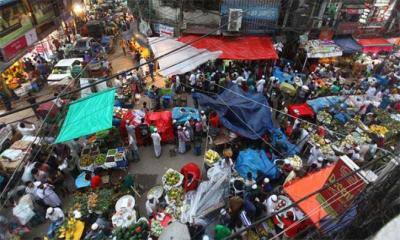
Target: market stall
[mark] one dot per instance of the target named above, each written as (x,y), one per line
(17,79)
(375,45)
(318,49)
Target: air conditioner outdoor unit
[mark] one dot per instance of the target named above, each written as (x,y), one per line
(235,19)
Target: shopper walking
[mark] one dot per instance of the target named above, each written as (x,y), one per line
(155,136)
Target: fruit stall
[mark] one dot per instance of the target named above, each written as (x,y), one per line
(17,79)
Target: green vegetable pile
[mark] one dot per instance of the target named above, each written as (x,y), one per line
(100,159)
(137,231)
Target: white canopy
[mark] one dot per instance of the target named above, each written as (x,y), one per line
(183,60)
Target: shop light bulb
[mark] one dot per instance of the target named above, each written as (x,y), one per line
(78,9)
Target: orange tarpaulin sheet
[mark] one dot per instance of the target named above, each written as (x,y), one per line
(236,48)
(299,188)
(395,40)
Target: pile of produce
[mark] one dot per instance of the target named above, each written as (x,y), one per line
(378,129)
(156,228)
(172,179)
(325,148)
(295,162)
(211,157)
(324,117)
(80,202)
(175,196)
(86,160)
(92,200)
(101,200)
(100,159)
(70,229)
(137,231)
(347,141)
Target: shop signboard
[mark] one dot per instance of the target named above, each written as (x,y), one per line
(166,31)
(31,37)
(338,197)
(13,48)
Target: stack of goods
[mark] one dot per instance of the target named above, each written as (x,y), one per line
(88,157)
(211,157)
(172,181)
(113,156)
(324,144)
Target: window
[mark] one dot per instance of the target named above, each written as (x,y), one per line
(43,10)
(169,3)
(193,4)
(12,17)
(202,4)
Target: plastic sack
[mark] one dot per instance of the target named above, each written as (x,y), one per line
(208,196)
(23,212)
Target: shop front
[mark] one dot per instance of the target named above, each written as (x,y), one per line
(43,14)
(14,23)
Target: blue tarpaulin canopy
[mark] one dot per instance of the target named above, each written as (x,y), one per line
(182,114)
(287,149)
(250,160)
(324,102)
(348,45)
(245,114)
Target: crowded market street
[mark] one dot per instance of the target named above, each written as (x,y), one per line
(146,120)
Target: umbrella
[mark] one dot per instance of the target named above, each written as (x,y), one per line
(175,231)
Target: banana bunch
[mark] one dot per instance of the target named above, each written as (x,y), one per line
(378,129)
(211,156)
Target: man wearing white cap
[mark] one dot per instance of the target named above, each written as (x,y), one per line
(182,139)
(260,84)
(315,153)
(55,215)
(155,136)
(271,203)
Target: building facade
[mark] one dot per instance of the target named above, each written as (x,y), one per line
(205,16)
(23,22)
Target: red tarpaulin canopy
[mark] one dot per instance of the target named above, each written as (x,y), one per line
(163,122)
(299,188)
(375,45)
(236,48)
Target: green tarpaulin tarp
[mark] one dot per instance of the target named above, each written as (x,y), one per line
(88,115)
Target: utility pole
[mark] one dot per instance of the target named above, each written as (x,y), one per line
(180,17)
(287,13)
